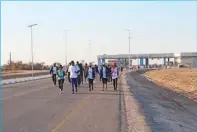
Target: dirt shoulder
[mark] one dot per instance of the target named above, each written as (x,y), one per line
(181,80)
(158,108)
(22,73)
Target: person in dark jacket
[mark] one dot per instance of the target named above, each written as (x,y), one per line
(81,72)
(78,74)
(86,72)
(104,73)
(53,72)
(91,77)
(68,71)
(99,72)
(110,76)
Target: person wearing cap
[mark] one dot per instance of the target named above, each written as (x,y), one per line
(91,76)
(104,73)
(85,72)
(73,75)
(53,71)
(115,75)
(61,74)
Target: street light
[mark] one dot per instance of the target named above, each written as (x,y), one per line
(129,46)
(66,56)
(32,56)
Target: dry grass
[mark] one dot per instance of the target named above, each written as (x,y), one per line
(181,80)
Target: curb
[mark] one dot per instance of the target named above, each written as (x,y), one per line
(14,81)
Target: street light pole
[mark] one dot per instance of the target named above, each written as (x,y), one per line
(32,56)
(129,46)
(66,57)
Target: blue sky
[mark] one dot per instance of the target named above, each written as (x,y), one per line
(157,27)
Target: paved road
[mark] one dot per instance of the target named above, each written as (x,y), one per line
(37,106)
(138,106)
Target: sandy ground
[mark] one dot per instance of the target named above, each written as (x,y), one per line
(21,72)
(181,80)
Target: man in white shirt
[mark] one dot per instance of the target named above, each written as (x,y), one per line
(73,75)
(53,72)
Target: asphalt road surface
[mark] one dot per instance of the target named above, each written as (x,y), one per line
(37,106)
(138,106)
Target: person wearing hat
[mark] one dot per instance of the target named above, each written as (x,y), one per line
(104,73)
(53,71)
(61,74)
(115,74)
(91,76)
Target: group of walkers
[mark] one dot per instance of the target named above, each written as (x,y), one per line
(78,74)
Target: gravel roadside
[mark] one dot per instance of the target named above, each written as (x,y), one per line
(157,109)
(135,120)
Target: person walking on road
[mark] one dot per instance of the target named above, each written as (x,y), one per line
(115,75)
(99,69)
(53,72)
(78,74)
(104,75)
(73,75)
(61,74)
(96,71)
(110,75)
(85,72)
(68,71)
(91,77)
(81,72)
